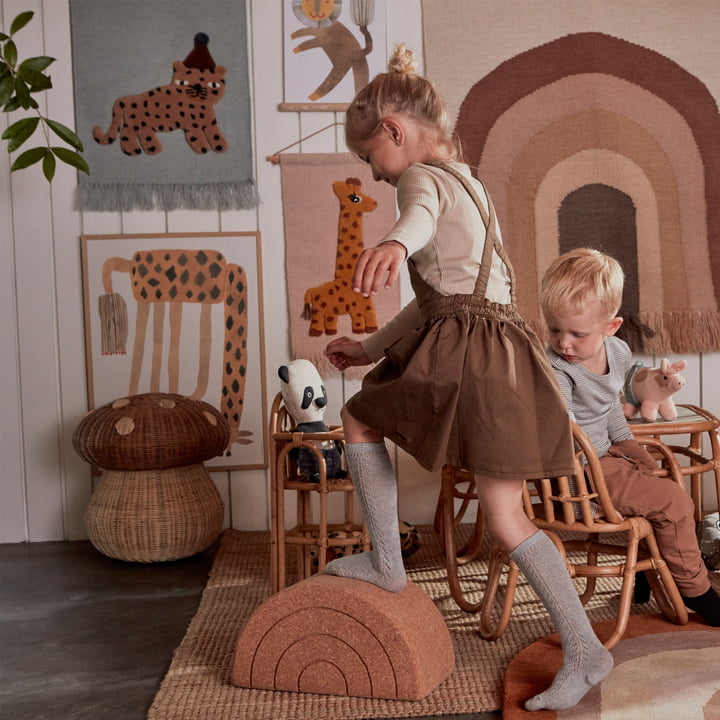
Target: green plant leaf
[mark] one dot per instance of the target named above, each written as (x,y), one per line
(72,158)
(3,37)
(19,132)
(7,87)
(49,166)
(23,93)
(29,157)
(10,53)
(65,133)
(12,105)
(36,80)
(38,63)
(21,21)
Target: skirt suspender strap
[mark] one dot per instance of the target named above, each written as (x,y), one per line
(490,223)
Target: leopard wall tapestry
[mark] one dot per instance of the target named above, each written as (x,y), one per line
(163,105)
(187,104)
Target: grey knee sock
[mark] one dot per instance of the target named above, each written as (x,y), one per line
(586,662)
(376,487)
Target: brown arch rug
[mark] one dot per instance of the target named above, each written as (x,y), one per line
(662,672)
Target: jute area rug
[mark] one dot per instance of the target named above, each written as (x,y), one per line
(197,685)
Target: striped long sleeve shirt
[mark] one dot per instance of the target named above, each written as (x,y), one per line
(593,401)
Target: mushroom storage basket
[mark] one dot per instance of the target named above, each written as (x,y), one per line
(155,501)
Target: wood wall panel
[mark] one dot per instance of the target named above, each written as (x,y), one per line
(44,486)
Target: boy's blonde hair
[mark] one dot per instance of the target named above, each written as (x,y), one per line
(580,277)
(400,90)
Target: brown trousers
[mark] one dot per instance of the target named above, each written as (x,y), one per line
(669,509)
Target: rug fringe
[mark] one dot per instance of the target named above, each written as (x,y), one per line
(682,332)
(114,197)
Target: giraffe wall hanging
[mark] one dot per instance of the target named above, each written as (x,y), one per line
(180,314)
(326,303)
(332,208)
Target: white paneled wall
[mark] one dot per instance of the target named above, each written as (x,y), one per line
(44,485)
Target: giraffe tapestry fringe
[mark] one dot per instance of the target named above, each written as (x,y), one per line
(333,209)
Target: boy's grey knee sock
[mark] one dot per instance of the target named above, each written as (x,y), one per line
(586,662)
(376,487)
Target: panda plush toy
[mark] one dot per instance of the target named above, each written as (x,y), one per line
(305,398)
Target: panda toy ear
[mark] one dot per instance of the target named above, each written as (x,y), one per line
(284,373)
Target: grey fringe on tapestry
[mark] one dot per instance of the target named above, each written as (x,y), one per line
(162,102)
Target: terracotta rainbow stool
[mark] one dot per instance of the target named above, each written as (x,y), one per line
(337,636)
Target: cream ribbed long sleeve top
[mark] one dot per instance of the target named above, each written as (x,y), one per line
(443,232)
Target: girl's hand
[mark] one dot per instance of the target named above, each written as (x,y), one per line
(344,352)
(377,266)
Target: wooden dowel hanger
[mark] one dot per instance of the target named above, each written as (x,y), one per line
(275,157)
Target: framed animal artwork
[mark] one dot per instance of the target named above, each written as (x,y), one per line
(183,314)
(332,49)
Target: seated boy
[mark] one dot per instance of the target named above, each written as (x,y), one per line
(580,297)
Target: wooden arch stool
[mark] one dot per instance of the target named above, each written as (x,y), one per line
(338,636)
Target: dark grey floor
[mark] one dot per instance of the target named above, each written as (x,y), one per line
(86,637)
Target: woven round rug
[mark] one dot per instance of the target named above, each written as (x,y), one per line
(662,672)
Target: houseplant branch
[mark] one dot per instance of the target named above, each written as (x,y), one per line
(18,81)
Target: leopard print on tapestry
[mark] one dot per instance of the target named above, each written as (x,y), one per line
(187,103)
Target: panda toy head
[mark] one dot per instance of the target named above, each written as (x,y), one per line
(303,391)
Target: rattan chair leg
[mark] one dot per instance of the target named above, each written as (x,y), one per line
(449,543)
(663,587)
(452,477)
(496,605)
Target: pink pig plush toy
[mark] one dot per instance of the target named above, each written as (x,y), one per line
(651,390)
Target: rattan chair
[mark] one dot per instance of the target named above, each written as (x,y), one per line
(567,517)
(311,539)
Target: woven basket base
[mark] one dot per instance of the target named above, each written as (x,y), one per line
(154,515)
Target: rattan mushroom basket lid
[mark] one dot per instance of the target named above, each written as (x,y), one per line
(151,431)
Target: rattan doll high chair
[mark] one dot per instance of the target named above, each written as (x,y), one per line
(313,540)
(591,546)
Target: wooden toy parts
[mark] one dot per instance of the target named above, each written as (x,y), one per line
(651,390)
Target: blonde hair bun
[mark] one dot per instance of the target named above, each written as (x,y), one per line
(402,60)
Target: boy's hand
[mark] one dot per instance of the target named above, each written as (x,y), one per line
(344,352)
(634,450)
(378,266)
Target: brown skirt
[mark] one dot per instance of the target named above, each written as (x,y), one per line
(472,388)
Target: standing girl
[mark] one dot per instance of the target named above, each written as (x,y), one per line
(463,379)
